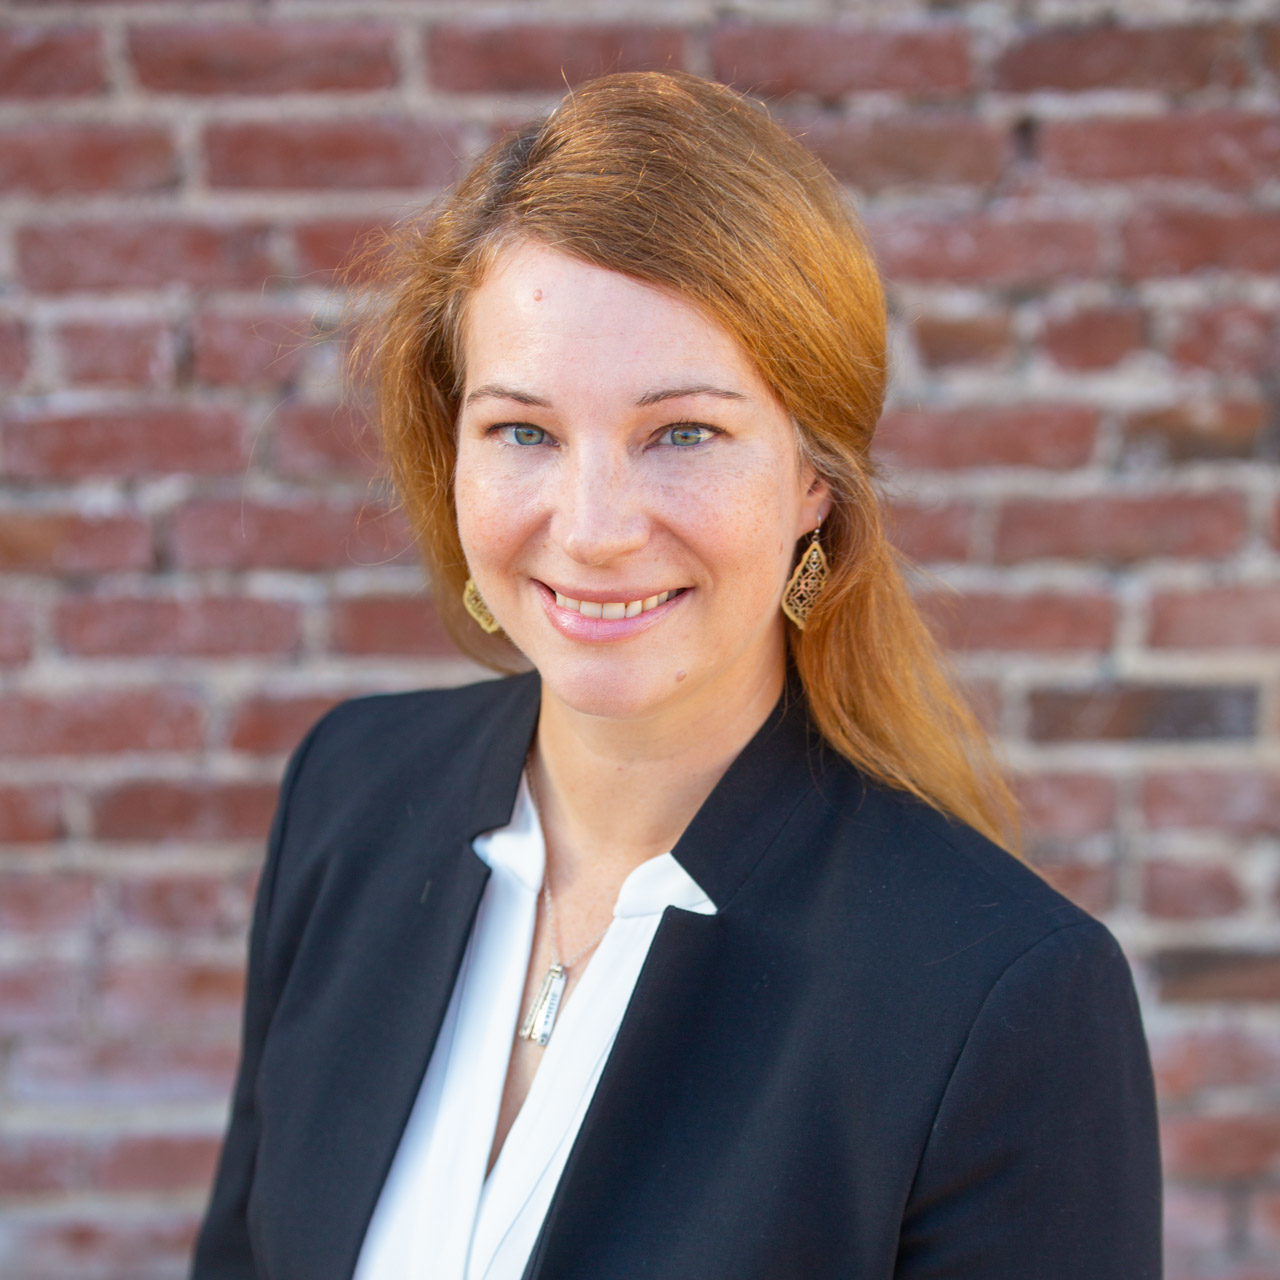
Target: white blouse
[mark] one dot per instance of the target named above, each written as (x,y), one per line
(438,1215)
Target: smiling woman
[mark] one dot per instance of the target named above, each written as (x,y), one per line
(694,950)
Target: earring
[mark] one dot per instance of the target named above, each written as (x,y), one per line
(806,582)
(474,604)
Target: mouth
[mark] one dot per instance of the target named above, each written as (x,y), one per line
(612,610)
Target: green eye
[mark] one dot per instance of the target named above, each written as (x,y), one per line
(685,436)
(525,435)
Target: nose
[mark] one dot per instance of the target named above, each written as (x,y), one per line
(599,513)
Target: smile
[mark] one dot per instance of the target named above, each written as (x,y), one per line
(612,610)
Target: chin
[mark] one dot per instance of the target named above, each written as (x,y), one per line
(604,691)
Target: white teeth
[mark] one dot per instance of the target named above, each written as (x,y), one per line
(613,609)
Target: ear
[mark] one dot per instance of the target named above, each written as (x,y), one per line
(816,502)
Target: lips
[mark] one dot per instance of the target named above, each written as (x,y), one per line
(612,610)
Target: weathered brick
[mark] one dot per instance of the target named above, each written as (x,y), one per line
(1242,617)
(1067,806)
(1094,338)
(944,341)
(1196,429)
(335,154)
(1217,149)
(138,1242)
(1090,885)
(1055,436)
(63,257)
(324,246)
(150,440)
(45,902)
(98,721)
(29,814)
(1119,529)
(51,62)
(1196,975)
(15,633)
(316,439)
(1174,241)
(1221,1148)
(270,724)
(15,353)
(1169,59)
(932,531)
(123,1071)
(1195,1221)
(905,150)
(1189,1063)
(1189,891)
(249,349)
(183,905)
(40,997)
(164,810)
(170,998)
(31,1163)
(165,1162)
(978,249)
(256,58)
(830,61)
(1231,338)
(518,57)
(119,353)
(387,624)
(1242,802)
(1040,622)
(1143,713)
(63,159)
(209,626)
(305,534)
(69,542)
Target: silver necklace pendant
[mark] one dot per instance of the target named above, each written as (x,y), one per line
(541,1018)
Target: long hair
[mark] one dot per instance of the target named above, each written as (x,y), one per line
(689,187)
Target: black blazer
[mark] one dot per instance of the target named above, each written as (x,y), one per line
(894,1052)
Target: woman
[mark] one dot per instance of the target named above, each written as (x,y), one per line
(694,951)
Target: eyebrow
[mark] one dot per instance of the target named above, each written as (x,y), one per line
(493,391)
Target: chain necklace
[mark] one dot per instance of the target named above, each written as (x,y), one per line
(540,1020)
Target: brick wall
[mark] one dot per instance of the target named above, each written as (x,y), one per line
(1080,218)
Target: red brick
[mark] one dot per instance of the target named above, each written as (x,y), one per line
(977,249)
(1241,617)
(1067,806)
(1228,339)
(170,998)
(1243,802)
(187,626)
(249,349)
(120,353)
(129,1243)
(1173,242)
(62,257)
(34,1163)
(166,1162)
(900,150)
(1095,338)
(321,439)
(388,624)
(944,341)
(15,633)
(1223,150)
(68,542)
(325,246)
(182,904)
(249,58)
(40,997)
(1090,885)
(30,814)
(150,440)
(1189,1063)
(51,62)
(1039,623)
(44,902)
(100,721)
(127,1071)
(1120,529)
(829,61)
(64,159)
(1221,1148)
(1056,436)
(1195,429)
(308,534)
(1195,1221)
(1143,713)
(1268,34)
(1197,975)
(15,353)
(271,724)
(933,531)
(163,810)
(516,57)
(1169,59)
(1189,891)
(334,154)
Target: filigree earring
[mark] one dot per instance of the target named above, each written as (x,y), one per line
(474,604)
(806,582)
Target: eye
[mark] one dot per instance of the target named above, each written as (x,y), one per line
(521,433)
(686,434)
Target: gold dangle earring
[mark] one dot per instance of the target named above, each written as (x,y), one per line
(806,581)
(474,604)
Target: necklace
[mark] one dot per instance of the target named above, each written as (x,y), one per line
(540,1020)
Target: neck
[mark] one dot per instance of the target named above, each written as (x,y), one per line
(613,794)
